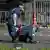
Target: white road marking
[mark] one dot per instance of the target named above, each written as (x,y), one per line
(48,35)
(44,35)
(38,41)
(45,27)
(48,31)
(6,34)
(41,27)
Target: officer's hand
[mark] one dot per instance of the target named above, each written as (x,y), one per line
(17,29)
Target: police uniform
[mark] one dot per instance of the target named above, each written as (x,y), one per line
(12,22)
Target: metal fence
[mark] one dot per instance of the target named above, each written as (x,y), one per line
(3,15)
(43,11)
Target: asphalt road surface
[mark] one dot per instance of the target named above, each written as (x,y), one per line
(43,36)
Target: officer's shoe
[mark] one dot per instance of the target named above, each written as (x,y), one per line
(13,39)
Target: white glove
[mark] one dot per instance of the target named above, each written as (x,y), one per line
(16,29)
(33,34)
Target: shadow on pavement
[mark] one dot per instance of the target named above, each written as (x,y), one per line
(6,41)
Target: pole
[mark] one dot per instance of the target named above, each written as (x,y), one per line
(35,12)
(34,6)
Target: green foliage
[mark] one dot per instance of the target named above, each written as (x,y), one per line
(5,47)
(48,25)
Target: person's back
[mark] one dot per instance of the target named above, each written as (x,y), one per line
(17,10)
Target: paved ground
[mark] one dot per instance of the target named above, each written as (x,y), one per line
(43,36)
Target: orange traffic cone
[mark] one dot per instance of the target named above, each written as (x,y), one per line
(34,19)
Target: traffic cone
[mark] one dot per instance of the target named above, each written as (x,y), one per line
(34,19)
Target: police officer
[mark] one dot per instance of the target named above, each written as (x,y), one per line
(12,22)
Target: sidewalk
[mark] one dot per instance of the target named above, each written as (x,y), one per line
(2,24)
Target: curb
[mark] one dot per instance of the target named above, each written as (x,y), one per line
(6,34)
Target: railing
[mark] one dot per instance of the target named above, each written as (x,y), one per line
(3,15)
(43,11)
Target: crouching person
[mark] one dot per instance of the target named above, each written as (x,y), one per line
(26,37)
(26,30)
